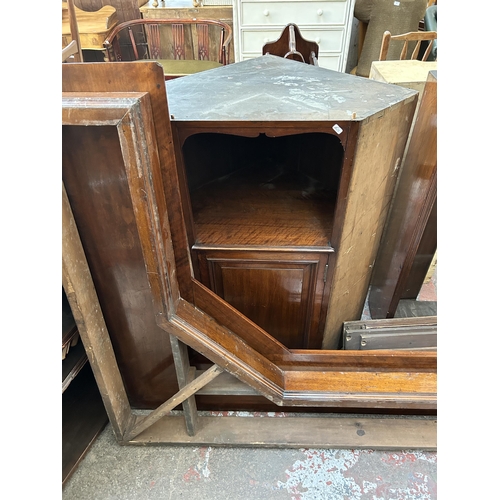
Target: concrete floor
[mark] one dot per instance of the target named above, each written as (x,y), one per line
(113,472)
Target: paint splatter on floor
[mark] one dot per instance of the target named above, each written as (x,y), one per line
(347,475)
(201,469)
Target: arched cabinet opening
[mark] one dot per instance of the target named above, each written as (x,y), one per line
(262,214)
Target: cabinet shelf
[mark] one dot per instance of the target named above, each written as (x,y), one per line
(273,192)
(273,208)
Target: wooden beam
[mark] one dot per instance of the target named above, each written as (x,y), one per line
(297,432)
(188,390)
(82,297)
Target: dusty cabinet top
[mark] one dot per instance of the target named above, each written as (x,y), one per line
(271,88)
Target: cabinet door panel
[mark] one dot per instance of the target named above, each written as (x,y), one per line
(282,296)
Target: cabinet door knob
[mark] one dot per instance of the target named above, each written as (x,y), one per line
(318,40)
(320,12)
(266,12)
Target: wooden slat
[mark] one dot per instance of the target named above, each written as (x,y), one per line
(82,297)
(188,390)
(297,432)
(185,375)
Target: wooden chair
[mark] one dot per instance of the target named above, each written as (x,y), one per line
(72,51)
(291,45)
(181,46)
(380,16)
(407,38)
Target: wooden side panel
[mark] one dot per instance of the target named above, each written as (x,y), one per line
(95,179)
(96,183)
(86,310)
(413,205)
(379,150)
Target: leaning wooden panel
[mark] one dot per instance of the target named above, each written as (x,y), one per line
(108,228)
(414,202)
(79,288)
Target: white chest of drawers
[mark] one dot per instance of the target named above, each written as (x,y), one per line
(326,22)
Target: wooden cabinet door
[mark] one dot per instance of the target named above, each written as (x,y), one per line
(281,292)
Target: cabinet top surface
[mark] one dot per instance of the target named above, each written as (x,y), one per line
(271,88)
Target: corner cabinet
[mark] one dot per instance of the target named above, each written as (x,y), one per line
(285,175)
(328,23)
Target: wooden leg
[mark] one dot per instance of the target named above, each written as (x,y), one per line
(184,377)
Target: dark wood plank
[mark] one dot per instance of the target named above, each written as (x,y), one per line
(412,206)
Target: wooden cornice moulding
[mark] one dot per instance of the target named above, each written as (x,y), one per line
(337,379)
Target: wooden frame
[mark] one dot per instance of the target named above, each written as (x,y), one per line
(338,379)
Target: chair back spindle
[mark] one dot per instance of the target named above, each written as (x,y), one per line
(412,36)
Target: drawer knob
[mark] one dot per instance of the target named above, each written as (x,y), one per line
(266,12)
(318,40)
(320,12)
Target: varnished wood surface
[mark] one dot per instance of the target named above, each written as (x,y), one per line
(424,257)
(378,154)
(267,207)
(93,26)
(289,43)
(263,191)
(412,206)
(221,311)
(125,9)
(281,292)
(111,239)
(184,9)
